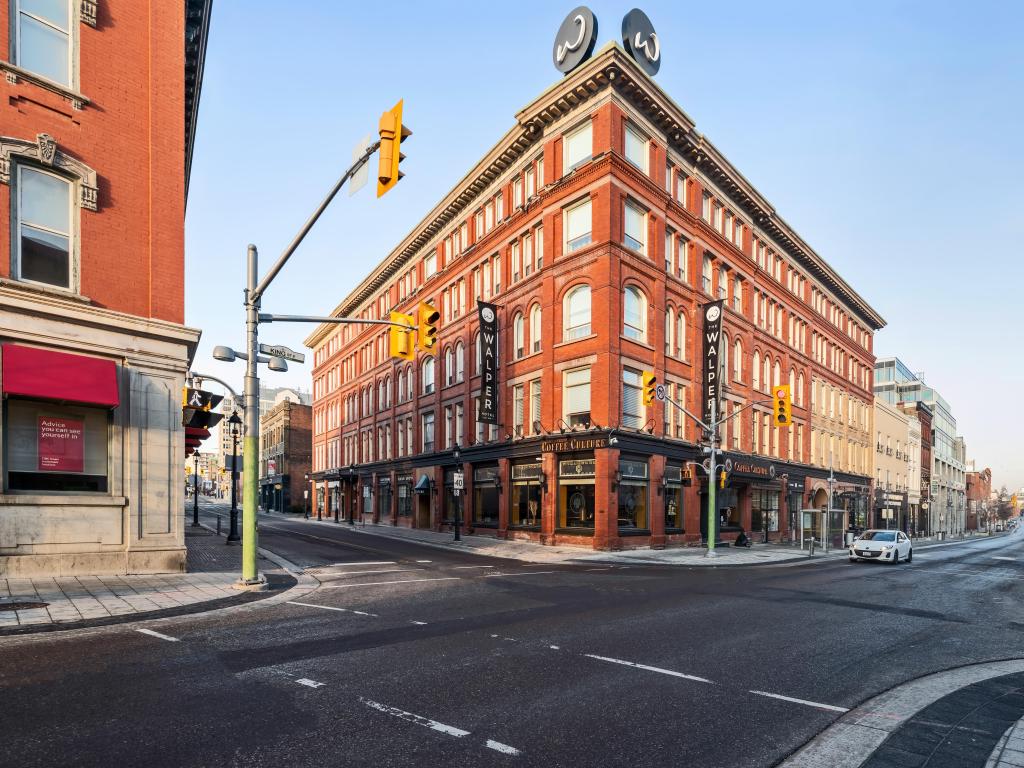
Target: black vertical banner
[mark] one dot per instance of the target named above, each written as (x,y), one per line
(488,362)
(711,385)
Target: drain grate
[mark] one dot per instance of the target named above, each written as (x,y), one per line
(22,606)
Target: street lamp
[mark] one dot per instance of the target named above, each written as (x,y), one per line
(195,490)
(235,425)
(305,495)
(352,491)
(458,504)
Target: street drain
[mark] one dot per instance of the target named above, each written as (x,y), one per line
(23,606)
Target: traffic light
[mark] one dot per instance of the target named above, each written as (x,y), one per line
(392,134)
(782,405)
(723,478)
(428,317)
(650,383)
(400,342)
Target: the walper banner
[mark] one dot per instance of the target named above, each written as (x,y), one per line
(711,391)
(489,362)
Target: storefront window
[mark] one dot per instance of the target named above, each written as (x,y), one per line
(450,499)
(526,495)
(576,493)
(764,508)
(405,495)
(56,448)
(384,498)
(485,495)
(673,498)
(633,494)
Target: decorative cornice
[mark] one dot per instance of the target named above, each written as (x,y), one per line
(45,152)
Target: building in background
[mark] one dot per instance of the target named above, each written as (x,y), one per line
(891,507)
(285,448)
(98,108)
(979,489)
(599,225)
(895,384)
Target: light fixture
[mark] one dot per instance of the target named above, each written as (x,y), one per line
(543,482)
(616,480)
(224,354)
(455,452)
(663,485)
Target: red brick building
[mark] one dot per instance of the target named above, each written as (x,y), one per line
(979,489)
(97,115)
(599,225)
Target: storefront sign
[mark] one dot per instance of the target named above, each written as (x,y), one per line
(573,444)
(575,40)
(485,474)
(271,466)
(712,355)
(577,468)
(753,467)
(641,42)
(61,445)
(489,363)
(526,471)
(631,468)
(796,485)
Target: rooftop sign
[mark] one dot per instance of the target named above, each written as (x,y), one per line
(575,40)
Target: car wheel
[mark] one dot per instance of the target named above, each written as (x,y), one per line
(853,559)
(910,555)
(895,556)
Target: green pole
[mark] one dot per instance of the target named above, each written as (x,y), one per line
(251,460)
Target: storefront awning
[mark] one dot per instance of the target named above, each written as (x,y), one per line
(48,375)
(422,485)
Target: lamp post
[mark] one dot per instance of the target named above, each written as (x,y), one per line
(235,425)
(354,500)
(458,504)
(195,490)
(305,494)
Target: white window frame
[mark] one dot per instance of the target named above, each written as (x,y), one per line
(583,239)
(631,242)
(71,32)
(73,276)
(633,332)
(573,159)
(581,330)
(636,147)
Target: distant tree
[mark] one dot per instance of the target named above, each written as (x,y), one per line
(1001,506)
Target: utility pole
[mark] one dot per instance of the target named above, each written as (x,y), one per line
(195,490)
(712,482)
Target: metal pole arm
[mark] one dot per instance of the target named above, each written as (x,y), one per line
(700,422)
(267,318)
(223,383)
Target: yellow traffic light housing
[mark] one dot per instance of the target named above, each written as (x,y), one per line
(782,405)
(650,385)
(392,134)
(400,342)
(428,317)
(722,478)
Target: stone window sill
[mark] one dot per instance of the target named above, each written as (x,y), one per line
(15,73)
(61,500)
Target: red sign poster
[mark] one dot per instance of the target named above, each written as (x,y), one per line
(61,443)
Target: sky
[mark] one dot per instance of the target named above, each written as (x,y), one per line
(886,133)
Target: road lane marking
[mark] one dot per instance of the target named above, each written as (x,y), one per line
(503,748)
(387,570)
(999,557)
(457,567)
(529,573)
(426,722)
(554,648)
(420,623)
(424,561)
(368,562)
(597,569)
(332,608)
(377,583)
(309,683)
(805,702)
(671,672)
(157,634)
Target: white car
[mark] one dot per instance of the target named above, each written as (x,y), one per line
(877,544)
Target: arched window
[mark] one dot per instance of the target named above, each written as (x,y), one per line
(536,332)
(792,383)
(518,344)
(755,372)
(766,374)
(460,361)
(681,335)
(777,377)
(387,392)
(634,314)
(737,361)
(428,375)
(576,313)
(800,389)
(449,366)
(724,362)
(476,359)
(670,322)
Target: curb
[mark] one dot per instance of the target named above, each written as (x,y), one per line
(852,739)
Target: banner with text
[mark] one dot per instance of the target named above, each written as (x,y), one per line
(61,445)
(488,362)
(711,390)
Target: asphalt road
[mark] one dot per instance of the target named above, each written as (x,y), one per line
(412,656)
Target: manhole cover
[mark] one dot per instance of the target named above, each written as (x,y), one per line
(23,606)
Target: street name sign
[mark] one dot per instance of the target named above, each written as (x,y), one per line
(279,350)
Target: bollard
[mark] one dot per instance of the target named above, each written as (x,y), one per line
(336,515)
(810,548)
(218,525)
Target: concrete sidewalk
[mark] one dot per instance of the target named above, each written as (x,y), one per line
(62,602)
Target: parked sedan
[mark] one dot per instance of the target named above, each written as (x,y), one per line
(887,546)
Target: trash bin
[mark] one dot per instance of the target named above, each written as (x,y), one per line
(850,536)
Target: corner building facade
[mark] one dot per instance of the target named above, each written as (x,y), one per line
(598,225)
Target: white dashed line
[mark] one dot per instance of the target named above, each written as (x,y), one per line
(457,567)
(530,573)
(388,570)
(332,608)
(368,562)
(150,632)
(309,683)
(815,704)
(554,647)
(377,583)
(419,623)
(671,672)
(1000,557)
(426,722)
(503,748)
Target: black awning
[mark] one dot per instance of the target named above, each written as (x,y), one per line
(422,485)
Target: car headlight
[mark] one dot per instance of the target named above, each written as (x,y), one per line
(886,549)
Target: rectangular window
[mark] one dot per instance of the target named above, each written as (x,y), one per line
(668,178)
(635,224)
(530,183)
(430,265)
(668,251)
(518,409)
(517,193)
(535,411)
(427,429)
(44,228)
(579,146)
(723,283)
(682,194)
(449,431)
(683,259)
(636,148)
(527,254)
(54,447)
(705,210)
(44,38)
(737,295)
(540,171)
(517,263)
(576,394)
(706,275)
(577,226)
(632,400)
(539,240)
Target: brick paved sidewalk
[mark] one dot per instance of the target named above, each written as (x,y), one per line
(213,568)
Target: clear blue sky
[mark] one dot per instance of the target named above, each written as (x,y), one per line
(887,133)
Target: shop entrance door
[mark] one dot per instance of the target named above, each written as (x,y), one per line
(422,510)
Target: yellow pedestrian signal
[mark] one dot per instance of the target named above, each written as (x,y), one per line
(722,479)
(392,134)
(428,317)
(650,384)
(400,342)
(782,405)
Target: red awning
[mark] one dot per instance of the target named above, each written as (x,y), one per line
(49,375)
(196,433)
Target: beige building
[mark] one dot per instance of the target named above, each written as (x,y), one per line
(893,446)
(841,426)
